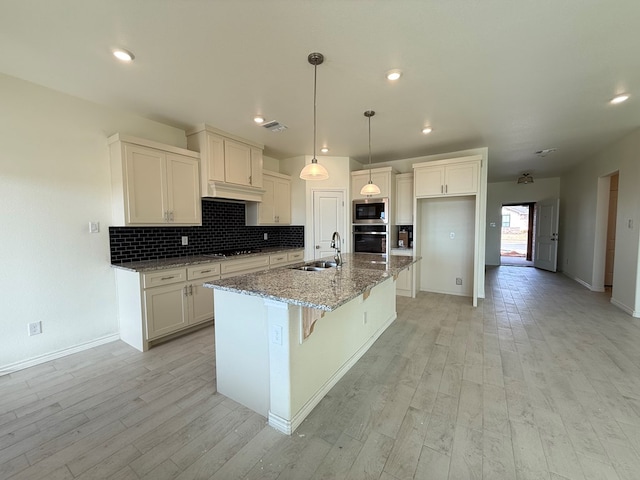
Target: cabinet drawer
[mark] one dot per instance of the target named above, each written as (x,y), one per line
(241,265)
(164,277)
(204,270)
(295,256)
(278,259)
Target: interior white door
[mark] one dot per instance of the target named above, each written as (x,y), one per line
(546,228)
(328,217)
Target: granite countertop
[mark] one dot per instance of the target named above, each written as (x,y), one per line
(177,262)
(325,290)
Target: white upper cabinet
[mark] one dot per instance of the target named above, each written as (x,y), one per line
(275,208)
(383,177)
(230,167)
(154,184)
(446,177)
(404,199)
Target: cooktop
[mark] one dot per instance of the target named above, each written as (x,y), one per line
(230,253)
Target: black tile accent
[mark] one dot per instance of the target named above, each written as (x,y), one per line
(223,228)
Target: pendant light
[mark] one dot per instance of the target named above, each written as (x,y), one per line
(525,178)
(370,188)
(314,171)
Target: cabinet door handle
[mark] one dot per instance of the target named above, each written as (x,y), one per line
(205,271)
(171,216)
(441,188)
(250,179)
(446,189)
(168,278)
(166,216)
(185,291)
(190,289)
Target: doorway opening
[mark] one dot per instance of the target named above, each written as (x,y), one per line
(516,235)
(611,233)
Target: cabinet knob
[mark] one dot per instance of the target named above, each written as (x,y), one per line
(317,247)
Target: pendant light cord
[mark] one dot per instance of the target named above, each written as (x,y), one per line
(315,82)
(369,149)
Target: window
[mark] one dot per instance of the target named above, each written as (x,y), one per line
(506,220)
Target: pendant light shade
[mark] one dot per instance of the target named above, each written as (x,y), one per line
(525,178)
(314,171)
(370,188)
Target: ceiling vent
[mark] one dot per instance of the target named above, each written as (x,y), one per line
(545,152)
(274,126)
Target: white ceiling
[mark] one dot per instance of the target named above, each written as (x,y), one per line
(515,76)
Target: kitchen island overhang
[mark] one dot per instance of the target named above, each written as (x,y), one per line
(285,337)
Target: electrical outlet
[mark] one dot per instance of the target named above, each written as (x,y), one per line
(94,227)
(35,328)
(364,318)
(185,240)
(452,235)
(276,334)
(266,236)
(458,281)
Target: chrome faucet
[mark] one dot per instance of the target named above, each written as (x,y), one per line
(335,243)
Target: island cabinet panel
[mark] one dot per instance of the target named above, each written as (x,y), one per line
(264,361)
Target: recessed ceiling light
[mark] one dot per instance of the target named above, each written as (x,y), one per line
(123,55)
(619,98)
(258,119)
(427,130)
(394,74)
(324,150)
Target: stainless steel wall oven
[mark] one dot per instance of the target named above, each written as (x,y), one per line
(371,239)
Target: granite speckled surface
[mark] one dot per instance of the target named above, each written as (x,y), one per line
(177,262)
(327,289)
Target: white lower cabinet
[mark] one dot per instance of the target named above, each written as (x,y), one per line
(405,280)
(165,309)
(156,304)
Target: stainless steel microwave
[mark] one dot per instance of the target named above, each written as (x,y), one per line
(371,210)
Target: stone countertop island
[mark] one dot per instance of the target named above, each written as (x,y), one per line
(325,290)
(285,337)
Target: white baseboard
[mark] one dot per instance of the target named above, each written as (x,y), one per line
(289,426)
(625,308)
(14,367)
(579,280)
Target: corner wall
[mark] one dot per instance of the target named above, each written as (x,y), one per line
(55,179)
(578,204)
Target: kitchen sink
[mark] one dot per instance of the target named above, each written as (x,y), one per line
(323,264)
(316,266)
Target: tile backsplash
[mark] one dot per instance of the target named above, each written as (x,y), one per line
(223,228)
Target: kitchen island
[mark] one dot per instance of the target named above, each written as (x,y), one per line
(285,337)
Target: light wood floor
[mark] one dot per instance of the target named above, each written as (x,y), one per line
(541,381)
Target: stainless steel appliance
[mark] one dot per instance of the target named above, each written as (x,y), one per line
(371,239)
(371,210)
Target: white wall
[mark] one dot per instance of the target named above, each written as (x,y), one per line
(54,180)
(500,193)
(445,258)
(578,228)
(302,194)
